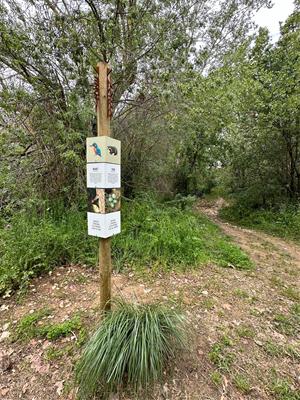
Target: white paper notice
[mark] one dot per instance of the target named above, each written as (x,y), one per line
(103,175)
(104,225)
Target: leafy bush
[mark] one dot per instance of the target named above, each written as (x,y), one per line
(284,222)
(131,348)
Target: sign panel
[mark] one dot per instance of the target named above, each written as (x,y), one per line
(102,201)
(103,175)
(104,225)
(103,149)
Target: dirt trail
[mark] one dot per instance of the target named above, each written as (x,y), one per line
(260,246)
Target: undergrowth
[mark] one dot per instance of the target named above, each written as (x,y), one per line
(34,326)
(154,236)
(283,222)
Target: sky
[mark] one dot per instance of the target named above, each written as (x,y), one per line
(270,18)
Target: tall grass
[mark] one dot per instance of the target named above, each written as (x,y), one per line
(131,348)
(165,237)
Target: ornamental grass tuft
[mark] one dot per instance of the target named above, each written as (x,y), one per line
(131,349)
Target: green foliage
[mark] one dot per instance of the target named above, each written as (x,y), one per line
(284,222)
(242,383)
(160,236)
(33,244)
(288,324)
(281,389)
(27,326)
(55,331)
(220,354)
(131,348)
(153,235)
(32,325)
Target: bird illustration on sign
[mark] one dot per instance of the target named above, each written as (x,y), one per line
(96,149)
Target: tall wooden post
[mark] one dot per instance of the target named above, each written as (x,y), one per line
(103,129)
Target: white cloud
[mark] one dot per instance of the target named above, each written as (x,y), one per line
(270,18)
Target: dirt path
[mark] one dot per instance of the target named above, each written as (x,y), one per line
(260,246)
(246,326)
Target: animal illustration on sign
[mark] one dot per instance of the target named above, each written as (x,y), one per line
(112,150)
(97,149)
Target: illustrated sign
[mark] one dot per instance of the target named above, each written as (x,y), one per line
(103,149)
(103,201)
(103,155)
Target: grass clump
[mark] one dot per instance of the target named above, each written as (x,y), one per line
(241,383)
(131,349)
(245,332)
(281,390)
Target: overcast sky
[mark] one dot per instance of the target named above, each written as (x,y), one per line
(270,18)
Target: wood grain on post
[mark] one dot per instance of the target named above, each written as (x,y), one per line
(103,129)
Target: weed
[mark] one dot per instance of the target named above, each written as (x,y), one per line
(276,350)
(54,353)
(242,383)
(216,378)
(284,222)
(291,293)
(282,390)
(131,348)
(154,235)
(55,331)
(30,326)
(288,324)
(242,294)
(208,304)
(245,332)
(27,326)
(220,355)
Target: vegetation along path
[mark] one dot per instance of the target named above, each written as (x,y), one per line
(245,325)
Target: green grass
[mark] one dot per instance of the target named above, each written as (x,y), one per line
(283,222)
(131,349)
(154,236)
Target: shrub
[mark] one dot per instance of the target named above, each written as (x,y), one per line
(131,349)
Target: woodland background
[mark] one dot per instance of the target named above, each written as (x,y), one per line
(205,104)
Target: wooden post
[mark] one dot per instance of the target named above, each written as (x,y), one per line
(103,129)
